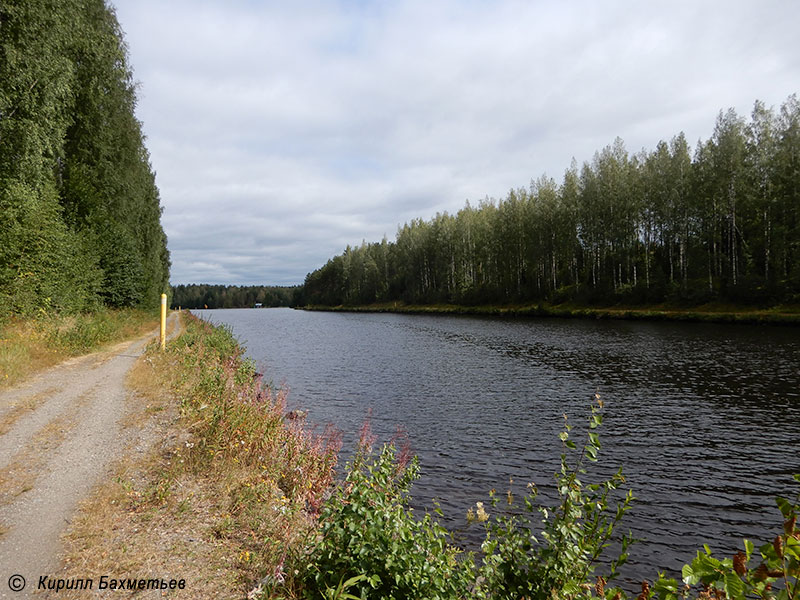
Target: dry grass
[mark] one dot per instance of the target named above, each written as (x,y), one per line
(216,501)
(23,351)
(28,346)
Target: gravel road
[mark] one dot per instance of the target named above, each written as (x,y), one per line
(59,433)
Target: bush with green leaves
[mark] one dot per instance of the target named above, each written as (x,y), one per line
(560,560)
(771,573)
(371,544)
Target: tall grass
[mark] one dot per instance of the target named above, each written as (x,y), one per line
(267,469)
(28,345)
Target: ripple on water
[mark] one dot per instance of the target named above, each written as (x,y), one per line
(705,419)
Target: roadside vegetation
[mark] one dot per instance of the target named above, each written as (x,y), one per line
(79,207)
(28,345)
(241,498)
(83,256)
(223,481)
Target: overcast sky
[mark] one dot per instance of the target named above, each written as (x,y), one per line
(282,131)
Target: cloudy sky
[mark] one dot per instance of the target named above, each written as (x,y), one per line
(282,131)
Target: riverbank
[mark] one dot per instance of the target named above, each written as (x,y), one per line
(226,492)
(220,486)
(708,313)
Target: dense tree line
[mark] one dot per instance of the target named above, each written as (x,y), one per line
(79,206)
(722,222)
(233,296)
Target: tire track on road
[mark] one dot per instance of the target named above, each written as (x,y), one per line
(88,397)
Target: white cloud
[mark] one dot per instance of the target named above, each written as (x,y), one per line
(282,131)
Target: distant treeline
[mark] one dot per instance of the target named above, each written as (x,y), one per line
(233,296)
(79,208)
(722,222)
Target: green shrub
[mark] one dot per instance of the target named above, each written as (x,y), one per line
(561,560)
(371,542)
(774,576)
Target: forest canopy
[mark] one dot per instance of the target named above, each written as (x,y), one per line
(720,222)
(80,210)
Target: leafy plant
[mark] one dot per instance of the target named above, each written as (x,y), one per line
(561,559)
(372,541)
(371,545)
(775,575)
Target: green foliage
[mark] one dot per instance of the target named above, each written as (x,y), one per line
(371,545)
(371,540)
(772,573)
(723,224)
(45,265)
(232,296)
(79,207)
(562,558)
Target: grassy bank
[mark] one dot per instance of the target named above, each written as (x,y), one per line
(228,485)
(709,313)
(227,491)
(32,344)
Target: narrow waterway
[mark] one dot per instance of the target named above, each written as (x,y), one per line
(704,419)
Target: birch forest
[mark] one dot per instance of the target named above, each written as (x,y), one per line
(717,222)
(80,213)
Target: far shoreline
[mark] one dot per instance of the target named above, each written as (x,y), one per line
(708,313)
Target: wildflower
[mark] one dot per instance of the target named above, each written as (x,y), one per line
(778,545)
(481,514)
(470,516)
(739,561)
(244,556)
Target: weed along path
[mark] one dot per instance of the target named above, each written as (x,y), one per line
(59,433)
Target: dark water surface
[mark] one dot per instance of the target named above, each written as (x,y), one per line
(704,419)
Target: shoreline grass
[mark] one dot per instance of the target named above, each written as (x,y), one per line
(707,313)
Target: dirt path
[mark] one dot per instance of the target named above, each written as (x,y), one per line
(59,433)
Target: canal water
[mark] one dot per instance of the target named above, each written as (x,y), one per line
(704,419)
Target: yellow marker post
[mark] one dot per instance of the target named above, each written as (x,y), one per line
(163,321)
